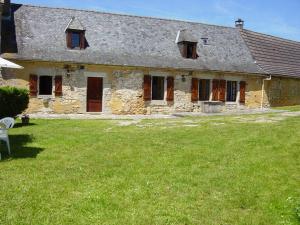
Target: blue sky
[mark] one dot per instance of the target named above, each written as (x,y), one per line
(276,17)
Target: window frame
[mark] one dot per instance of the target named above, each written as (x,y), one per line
(38,86)
(81,34)
(209,89)
(164,88)
(237,91)
(193,47)
(193,54)
(73,33)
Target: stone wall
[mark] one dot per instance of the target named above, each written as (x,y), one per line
(254,93)
(283,91)
(73,88)
(127,92)
(123,89)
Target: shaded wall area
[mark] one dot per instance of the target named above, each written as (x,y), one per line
(283,91)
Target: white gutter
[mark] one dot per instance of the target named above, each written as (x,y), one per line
(262,91)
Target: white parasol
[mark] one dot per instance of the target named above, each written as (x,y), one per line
(7,64)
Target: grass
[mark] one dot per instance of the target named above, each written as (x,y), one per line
(216,170)
(294,108)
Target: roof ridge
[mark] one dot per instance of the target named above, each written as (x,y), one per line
(125,14)
(271,36)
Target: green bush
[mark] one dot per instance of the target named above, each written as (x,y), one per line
(13,101)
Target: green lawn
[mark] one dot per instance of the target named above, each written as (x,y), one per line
(216,170)
(289,108)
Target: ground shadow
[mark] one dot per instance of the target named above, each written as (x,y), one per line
(17,125)
(19,148)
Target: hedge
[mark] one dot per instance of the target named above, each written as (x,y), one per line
(13,101)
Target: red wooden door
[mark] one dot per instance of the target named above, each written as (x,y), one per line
(94,94)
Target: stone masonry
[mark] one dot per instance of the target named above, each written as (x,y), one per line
(123,89)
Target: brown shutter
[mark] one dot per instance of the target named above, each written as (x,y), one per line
(215,90)
(184,46)
(242,91)
(33,79)
(82,40)
(194,90)
(195,51)
(222,90)
(69,39)
(170,89)
(58,85)
(147,88)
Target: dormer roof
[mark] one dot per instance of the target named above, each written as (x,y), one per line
(75,24)
(185,36)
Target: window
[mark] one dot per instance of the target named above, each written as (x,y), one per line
(158,88)
(205,41)
(45,85)
(75,39)
(188,49)
(231,91)
(204,89)
(191,49)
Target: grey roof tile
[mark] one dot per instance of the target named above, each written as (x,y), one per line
(75,24)
(38,33)
(185,35)
(276,56)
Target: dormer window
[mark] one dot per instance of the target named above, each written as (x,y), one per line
(191,50)
(188,49)
(75,33)
(75,39)
(187,44)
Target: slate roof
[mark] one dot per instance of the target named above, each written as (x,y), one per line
(276,56)
(185,35)
(38,33)
(75,24)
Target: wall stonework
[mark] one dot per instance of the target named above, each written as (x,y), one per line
(182,94)
(283,91)
(123,89)
(254,93)
(127,92)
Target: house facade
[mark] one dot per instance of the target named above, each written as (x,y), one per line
(78,61)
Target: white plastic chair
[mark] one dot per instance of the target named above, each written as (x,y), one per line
(5,124)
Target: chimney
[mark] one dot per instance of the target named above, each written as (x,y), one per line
(239,23)
(5,7)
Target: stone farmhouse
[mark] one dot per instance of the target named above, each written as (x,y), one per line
(78,61)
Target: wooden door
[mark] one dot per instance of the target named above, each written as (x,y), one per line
(94,94)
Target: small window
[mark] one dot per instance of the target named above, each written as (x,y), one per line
(191,49)
(158,88)
(75,40)
(231,91)
(204,89)
(205,41)
(45,85)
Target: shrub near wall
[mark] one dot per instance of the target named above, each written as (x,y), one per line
(13,101)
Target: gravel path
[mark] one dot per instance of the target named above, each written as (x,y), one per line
(88,116)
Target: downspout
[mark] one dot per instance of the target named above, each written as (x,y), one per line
(262,91)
